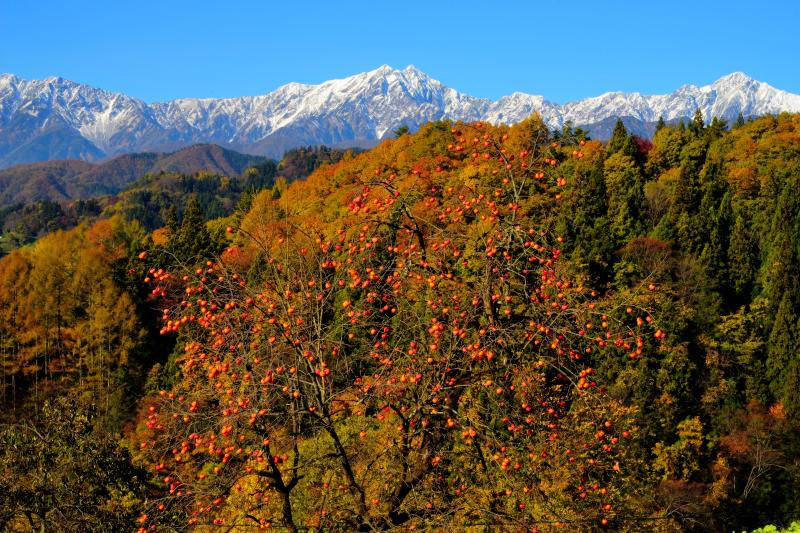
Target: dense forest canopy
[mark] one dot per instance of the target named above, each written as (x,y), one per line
(505,327)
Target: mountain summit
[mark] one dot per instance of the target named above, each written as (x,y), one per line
(56,118)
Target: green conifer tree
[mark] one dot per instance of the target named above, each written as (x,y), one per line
(171,219)
(713,189)
(781,274)
(618,138)
(715,130)
(697,126)
(684,206)
(743,259)
(585,216)
(626,204)
(782,347)
(192,241)
(715,251)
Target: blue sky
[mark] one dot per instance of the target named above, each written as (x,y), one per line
(158,50)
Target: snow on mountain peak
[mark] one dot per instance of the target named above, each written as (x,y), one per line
(735,78)
(356,110)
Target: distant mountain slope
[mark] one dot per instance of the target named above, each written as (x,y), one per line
(205,157)
(54,142)
(68,180)
(39,181)
(58,119)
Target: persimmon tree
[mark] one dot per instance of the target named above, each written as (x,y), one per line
(407,352)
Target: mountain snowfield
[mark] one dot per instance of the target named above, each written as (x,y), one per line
(56,118)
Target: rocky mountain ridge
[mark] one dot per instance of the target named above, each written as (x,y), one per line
(56,118)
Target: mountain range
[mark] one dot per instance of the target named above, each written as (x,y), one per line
(72,179)
(55,118)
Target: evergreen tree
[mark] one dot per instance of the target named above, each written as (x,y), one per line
(631,149)
(739,121)
(260,176)
(585,215)
(782,269)
(618,138)
(682,225)
(192,241)
(660,125)
(781,279)
(564,134)
(684,206)
(243,206)
(171,219)
(790,394)
(626,206)
(782,347)
(715,251)
(668,144)
(568,135)
(743,259)
(581,135)
(697,126)
(713,188)
(401,130)
(716,129)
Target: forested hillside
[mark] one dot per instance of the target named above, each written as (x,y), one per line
(505,327)
(157,197)
(78,180)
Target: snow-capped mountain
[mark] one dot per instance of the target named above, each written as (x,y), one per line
(59,119)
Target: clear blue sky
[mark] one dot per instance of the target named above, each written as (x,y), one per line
(158,50)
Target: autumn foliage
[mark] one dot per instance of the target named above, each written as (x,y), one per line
(472,326)
(411,353)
